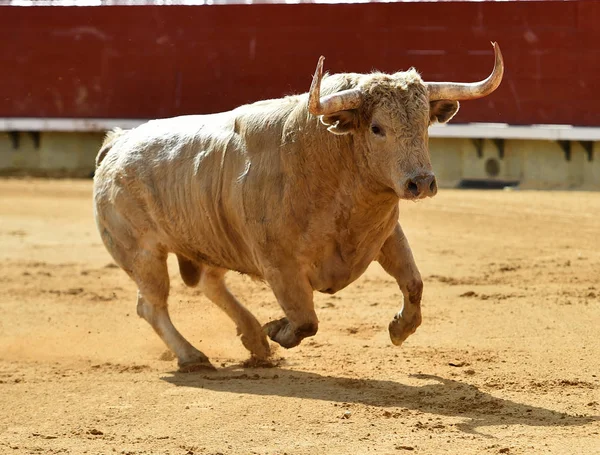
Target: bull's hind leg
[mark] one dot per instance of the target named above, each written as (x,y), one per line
(213,285)
(150,273)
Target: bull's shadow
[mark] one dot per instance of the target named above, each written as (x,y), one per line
(446,397)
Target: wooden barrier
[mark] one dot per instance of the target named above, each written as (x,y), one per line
(159,61)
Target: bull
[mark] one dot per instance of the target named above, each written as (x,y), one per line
(301,192)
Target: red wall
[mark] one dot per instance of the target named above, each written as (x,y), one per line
(152,61)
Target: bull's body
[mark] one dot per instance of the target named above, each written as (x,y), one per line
(268,191)
(224,190)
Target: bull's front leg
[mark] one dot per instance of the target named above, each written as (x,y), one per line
(397,260)
(295,296)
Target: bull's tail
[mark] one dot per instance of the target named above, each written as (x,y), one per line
(109,140)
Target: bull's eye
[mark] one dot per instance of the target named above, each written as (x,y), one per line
(375,129)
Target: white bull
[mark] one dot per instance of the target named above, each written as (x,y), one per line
(301,192)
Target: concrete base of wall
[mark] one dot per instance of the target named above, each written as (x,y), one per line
(539,164)
(51,154)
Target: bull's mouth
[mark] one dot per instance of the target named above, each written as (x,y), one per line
(411,197)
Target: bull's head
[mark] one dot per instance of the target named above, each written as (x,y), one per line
(389,116)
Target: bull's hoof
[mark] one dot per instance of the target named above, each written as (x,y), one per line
(257,344)
(273,328)
(201,364)
(400,330)
(280,332)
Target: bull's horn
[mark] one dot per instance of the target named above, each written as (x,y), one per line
(329,104)
(469,91)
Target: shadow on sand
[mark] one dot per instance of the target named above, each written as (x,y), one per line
(444,397)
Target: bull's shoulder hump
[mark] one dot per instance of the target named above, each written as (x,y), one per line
(189,123)
(178,131)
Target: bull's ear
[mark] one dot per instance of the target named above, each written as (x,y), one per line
(340,123)
(442,110)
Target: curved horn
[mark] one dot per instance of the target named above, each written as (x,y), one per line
(329,104)
(469,91)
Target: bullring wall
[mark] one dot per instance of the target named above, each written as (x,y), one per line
(160,61)
(136,62)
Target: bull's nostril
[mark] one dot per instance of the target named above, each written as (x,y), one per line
(433,186)
(413,187)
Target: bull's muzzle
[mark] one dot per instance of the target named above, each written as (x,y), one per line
(421,186)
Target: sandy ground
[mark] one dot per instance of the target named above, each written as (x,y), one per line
(507,359)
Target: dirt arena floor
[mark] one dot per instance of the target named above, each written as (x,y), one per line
(507,359)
